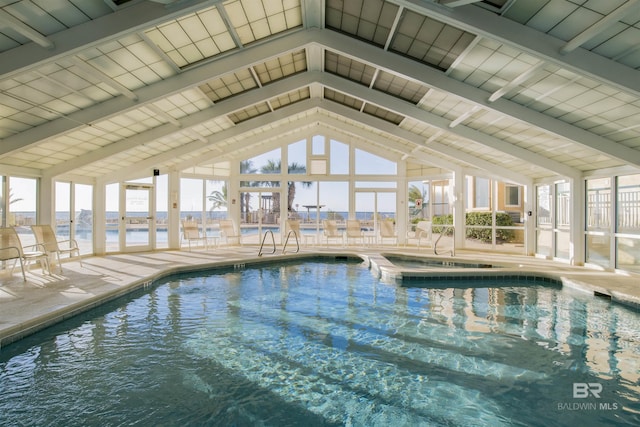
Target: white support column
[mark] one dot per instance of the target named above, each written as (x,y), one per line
(351,184)
(431,199)
(174,210)
(456,195)
(99,218)
(494,210)
(576,249)
(530,201)
(402,205)
(233,194)
(46,209)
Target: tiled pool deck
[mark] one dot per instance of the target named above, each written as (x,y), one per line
(26,307)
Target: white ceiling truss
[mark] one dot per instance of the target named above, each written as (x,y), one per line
(518,90)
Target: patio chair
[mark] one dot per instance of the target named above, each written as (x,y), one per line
(354,230)
(387,231)
(191,232)
(229,231)
(330,231)
(11,249)
(46,238)
(422,233)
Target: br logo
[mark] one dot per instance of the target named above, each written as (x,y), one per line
(584,390)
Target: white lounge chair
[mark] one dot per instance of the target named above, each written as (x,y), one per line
(191,232)
(330,231)
(229,231)
(422,233)
(11,249)
(387,231)
(49,242)
(354,231)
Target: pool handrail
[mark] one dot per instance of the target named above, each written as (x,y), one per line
(273,241)
(294,226)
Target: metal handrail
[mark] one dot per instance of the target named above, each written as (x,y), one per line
(273,242)
(284,248)
(453,248)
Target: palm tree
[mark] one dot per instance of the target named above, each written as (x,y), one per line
(414,194)
(12,200)
(295,168)
(219,198)
(246,167)
(273,167)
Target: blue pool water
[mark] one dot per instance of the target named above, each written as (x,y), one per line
(329,344)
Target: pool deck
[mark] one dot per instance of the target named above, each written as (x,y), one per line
(43,300)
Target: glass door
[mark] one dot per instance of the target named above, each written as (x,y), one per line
(260,213)
(373,206)
(137,228)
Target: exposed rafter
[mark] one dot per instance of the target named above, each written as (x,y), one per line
(543,46)
(411,70)
(28,32)
(136,17)
(256,53)
(629,7)
(409,110)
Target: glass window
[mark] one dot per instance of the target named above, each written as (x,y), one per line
(269,163)
(418,195)
(112,239)
(376,184)
(628,253)
(162,211)
(598,203)
(370,164)
(628,204)
(22,202)
(440,198)
(598,247)
(339,161)
(217,199)
(63,205)
(481,194)
(83,214)
(191,203)
(544,205)
(297,157)
(512,195)
(305,204)
(334,197)
(563,204)
(543,242)
(628,222)
(598,221)
(317,145)
(3,202)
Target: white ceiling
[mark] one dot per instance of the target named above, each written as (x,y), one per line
(522,90)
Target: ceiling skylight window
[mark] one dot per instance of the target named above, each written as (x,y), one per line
(192,38)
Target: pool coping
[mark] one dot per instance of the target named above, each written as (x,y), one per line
(49,313)
(506,270)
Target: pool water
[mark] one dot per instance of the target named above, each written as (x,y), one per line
(321,343)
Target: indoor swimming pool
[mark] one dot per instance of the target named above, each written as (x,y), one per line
(329,343)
